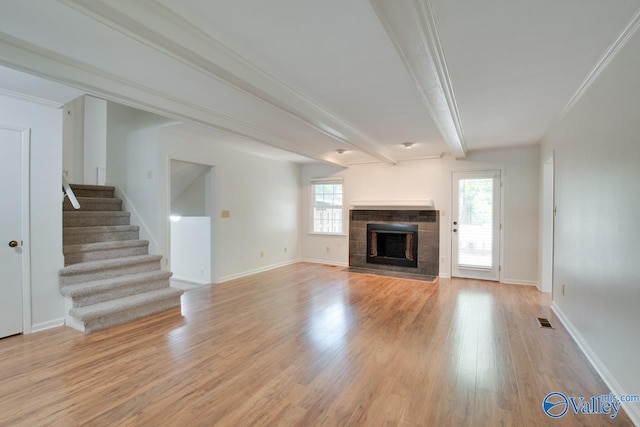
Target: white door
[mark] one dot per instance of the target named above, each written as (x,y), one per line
(11,232)
(475,225)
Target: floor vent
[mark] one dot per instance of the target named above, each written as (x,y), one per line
(544,323)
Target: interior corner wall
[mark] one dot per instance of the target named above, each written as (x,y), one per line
(73,141)
(596,154)
(132,165)
(47,304)
(94,140)
(432,179)
(260,194)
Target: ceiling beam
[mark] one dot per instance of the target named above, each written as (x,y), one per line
(24,56)
(411,26)
(164,30)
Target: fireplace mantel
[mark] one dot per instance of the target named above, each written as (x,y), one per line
(406,205)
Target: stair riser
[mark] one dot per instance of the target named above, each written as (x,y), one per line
(79,257)
(70,221)
(93,193)
(120,292)
(111,236)
(129,315)
(92,206)
(117,271)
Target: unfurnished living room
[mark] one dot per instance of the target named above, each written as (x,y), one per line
(319,213)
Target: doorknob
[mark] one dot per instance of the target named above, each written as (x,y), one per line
(455,229)
(13,244)
(455,222)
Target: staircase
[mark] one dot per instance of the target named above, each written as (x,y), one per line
(109,277)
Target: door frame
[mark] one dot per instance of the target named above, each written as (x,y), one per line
(25,151)
(210,208)
(501,209)
(547,226)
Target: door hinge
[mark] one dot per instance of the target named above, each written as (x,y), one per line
(499,268)
(500,226)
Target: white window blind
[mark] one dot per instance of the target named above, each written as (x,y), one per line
(327,206)
(477,222)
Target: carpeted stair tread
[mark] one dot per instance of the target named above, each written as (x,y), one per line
(87,252)
(100,229)
(94,204)
(87,288)
(101,246)
(105,264)
(123,304)
(94,218)
(92,187)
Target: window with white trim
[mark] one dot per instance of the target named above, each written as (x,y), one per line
(327,206)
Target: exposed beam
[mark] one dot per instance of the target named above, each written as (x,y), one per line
(411,27)
(27,57)
(167,32)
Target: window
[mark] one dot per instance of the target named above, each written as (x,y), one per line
(327,206)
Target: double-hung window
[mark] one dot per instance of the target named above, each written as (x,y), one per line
(327,206)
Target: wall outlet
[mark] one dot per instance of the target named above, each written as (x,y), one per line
(149,174)
(328,249)
(442,259)
(562,290)
(261,254)
(225,214)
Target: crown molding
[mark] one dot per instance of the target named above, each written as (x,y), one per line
(29,98)
(198,50)
(413,32)
(30,58)
(604,61)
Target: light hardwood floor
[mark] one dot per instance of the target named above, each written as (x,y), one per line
(308,345)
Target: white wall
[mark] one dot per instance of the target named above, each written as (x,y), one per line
(192,201)
(596,153)
(132,165)
(191,249)
(47,305)
(95,140)
(260,194)
(73,141)
(431,179)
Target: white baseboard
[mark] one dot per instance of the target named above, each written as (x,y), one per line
(632,410)
(520,282)
(255,271)
(324,261)
(42,326)
(190,281)
(444,275)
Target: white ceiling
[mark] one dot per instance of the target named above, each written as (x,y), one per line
(310,77)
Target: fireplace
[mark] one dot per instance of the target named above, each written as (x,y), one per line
(392,244)
(398,241)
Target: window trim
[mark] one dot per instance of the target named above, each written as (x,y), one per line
(310,212)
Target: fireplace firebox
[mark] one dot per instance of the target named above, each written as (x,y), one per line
(392,244)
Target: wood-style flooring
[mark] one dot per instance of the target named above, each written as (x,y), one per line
(308,345)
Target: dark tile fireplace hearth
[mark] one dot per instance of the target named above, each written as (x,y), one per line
(399,241)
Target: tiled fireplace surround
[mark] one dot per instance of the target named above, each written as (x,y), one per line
(428,222)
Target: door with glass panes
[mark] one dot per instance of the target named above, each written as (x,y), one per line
(475,225)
